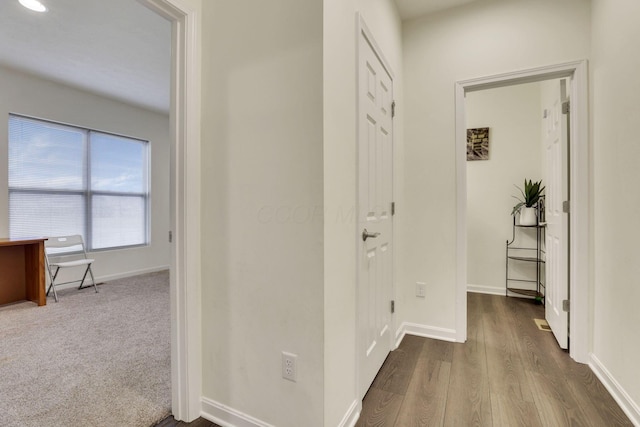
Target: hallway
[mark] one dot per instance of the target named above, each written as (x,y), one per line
(508,373)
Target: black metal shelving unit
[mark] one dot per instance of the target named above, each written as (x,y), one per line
(526,254)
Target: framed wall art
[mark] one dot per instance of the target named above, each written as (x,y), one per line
(478,144)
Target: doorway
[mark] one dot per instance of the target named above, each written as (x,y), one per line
(524,137)
(579,205)
(185,207)
(184,177)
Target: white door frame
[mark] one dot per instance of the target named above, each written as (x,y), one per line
(579,240)
(186,365)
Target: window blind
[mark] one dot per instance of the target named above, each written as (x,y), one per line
(69,180)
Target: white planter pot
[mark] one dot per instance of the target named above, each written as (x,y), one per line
(528,216)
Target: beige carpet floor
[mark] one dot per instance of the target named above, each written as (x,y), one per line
(90,360)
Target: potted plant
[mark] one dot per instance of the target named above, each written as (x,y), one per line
(528,202)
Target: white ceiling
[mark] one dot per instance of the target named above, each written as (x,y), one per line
(116,48)
(413,8)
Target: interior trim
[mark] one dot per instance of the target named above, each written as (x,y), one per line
(580,184)
(185,277)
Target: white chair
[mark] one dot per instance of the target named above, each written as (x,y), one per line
(66,252)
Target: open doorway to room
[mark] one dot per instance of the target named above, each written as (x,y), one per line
(169,170)
(520,133)
(574,75)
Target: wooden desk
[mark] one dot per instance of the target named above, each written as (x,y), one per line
(22,270)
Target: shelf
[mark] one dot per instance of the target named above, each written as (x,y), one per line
(512,248)
(525,258)
(527,292)
(531,253)
(522,280)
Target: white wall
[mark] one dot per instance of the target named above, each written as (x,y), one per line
(615,86)
(339,197)
(279,150)
(273,286)
(340,38)
(474,40)
(32,96)
(262,208)
(281,283)
(513,115)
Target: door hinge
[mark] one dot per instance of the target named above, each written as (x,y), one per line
(565,305)
(393,109)
(393,306)
(170,236)
(566,206)
(566,107)
(393,208)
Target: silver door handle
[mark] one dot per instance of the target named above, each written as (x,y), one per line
(366,234)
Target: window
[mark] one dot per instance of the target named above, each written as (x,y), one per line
(67,180)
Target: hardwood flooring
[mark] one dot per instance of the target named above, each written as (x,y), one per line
(508,373)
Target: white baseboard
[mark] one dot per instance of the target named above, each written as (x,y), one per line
(228,417)
(100,279)
(131,273)
(625,401)
(351,417)
(481,289)
(434,332)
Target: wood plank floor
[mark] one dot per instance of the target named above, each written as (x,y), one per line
(508,373)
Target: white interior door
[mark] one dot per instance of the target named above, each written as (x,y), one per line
(375,175)
(556,143)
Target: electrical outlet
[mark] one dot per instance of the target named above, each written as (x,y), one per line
(421,289)
(289,366)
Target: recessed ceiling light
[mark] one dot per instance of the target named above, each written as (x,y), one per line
(33,5)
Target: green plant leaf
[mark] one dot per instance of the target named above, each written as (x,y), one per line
(531,194)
